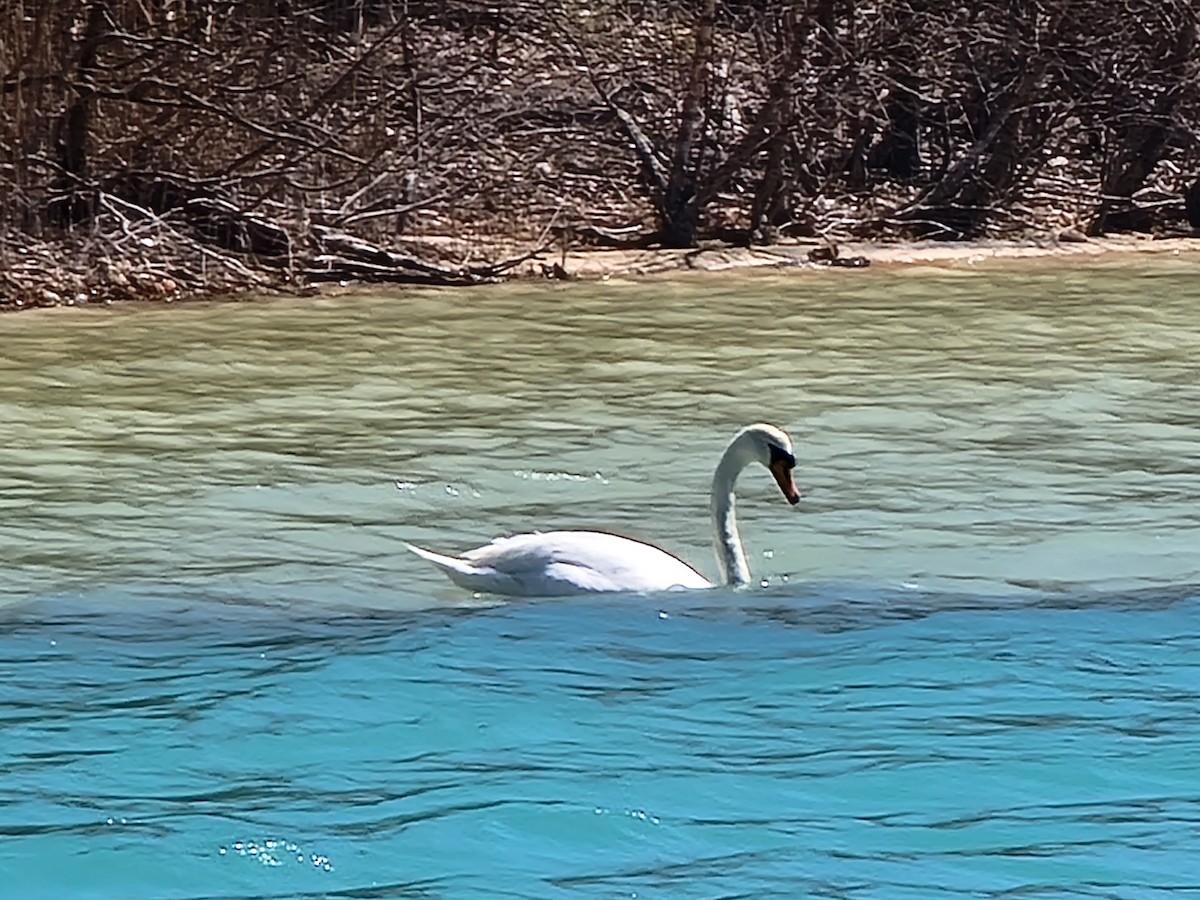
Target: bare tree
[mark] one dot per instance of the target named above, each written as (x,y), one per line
(281,137)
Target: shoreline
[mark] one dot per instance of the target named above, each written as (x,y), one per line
(152,152)
(600,265)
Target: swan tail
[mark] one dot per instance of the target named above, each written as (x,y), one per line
(460,571)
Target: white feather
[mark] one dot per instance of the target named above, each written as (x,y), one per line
(557,563)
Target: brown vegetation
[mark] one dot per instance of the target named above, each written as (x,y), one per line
(152,147)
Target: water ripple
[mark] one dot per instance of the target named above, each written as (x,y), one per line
(971,673)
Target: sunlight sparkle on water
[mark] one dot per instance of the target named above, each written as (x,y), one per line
(275,852)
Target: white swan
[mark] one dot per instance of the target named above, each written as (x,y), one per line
(557,563)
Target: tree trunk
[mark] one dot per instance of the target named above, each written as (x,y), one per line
(898,152)
(1139,147)
(1191,201)
(679,210)
(75,202)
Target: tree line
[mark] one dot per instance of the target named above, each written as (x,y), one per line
(259,126)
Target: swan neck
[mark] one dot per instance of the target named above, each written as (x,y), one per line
(731,557)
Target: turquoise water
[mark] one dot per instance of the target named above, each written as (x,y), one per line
(971,670)
(823,743)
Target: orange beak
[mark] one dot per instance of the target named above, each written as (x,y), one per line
(783,478)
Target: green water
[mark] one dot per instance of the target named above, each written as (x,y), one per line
(952,427)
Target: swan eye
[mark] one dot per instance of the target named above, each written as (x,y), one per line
(779,455)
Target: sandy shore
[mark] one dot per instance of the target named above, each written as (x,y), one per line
(600,264)
(604,264)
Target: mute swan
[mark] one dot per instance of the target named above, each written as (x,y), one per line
(557,563)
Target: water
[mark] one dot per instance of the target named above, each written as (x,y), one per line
(971,673)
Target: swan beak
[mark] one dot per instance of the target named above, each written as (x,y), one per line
(783,477)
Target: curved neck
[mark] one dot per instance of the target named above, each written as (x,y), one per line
(728,543)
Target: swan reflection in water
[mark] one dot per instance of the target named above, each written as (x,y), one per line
(558,563)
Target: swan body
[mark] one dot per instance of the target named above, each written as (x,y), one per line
(553,563)
(558,563)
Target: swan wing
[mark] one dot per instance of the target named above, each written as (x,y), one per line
(558,563)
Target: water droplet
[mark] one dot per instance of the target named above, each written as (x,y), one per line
(451,490)
(270,845)
(766,582)
(783,577)
(54,643)
(768,554)
(654,820)
(237,845)
(222,851)
(662,615)
(123,820)
(327,867)
(108,821)
(299,857)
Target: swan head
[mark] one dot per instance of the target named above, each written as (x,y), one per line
(771,447)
